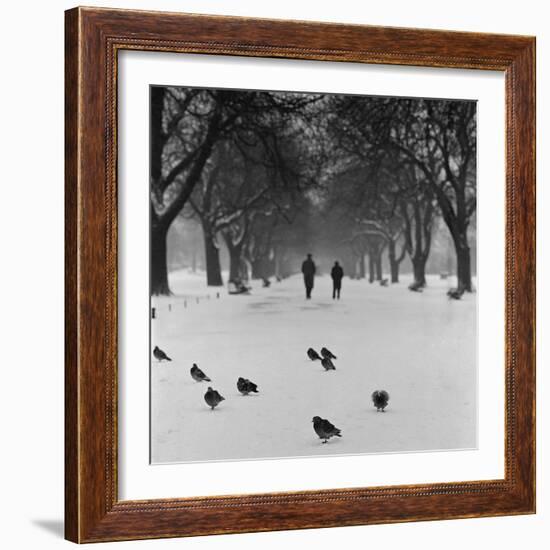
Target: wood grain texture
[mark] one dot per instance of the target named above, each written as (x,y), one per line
(71,274)
(93,38)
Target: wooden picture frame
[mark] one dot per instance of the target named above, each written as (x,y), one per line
(93,511)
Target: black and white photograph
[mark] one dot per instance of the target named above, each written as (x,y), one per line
(278,276)
(312,274)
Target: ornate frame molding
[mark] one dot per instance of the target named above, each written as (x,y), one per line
(93,38)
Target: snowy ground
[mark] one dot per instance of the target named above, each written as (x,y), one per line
(421,348)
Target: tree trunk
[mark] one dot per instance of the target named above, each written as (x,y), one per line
(159,269)
(235,263)
(458,227)
(371,267)
(394,264)
(244,269)
(463,266)
(361,267)
(158,138)
(378,265)
(419,270)
(212,258)
(257,268)
(394,270)
(419,248)
(278,260)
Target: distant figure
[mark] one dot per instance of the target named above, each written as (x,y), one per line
(198,375)
(380,399)
(327,363)
(160,355)
(313,355)
(213,398)
(245,386)
(337,274)
(325,352)
(325,429)
(308,269)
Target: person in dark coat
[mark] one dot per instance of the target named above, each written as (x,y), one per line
(337,274)
(308,269)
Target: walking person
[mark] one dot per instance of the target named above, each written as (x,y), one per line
(337,274)
(308,270)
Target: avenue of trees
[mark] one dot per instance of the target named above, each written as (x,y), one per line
(271,175)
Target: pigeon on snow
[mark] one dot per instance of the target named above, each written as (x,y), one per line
(325,352)
(198,375)
(327,363)
(213,398)
(325,429)
(313,355)
(380,399)
(160,355)
(245,386)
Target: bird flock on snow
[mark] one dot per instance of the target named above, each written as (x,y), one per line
(322,427)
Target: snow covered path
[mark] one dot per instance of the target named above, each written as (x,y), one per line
(420,347)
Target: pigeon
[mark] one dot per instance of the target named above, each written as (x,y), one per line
(325,352)
(313,355)
(198,375)
(324,429)
(380,399)
(383,282)
(160,355)
(213,398)
(245,386)
(327,363)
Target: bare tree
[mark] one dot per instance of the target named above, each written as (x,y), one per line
(186,126)
(391,230)
(230,187)
(418,213)
(235,237)
(439,138)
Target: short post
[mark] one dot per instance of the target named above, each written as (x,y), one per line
(169,307)
(153,312)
